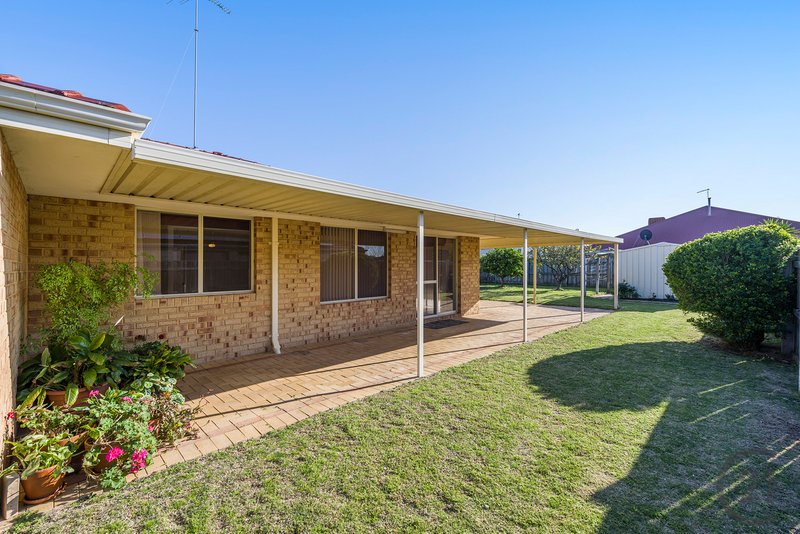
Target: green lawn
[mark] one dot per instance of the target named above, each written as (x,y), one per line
(629,423)
(570,296)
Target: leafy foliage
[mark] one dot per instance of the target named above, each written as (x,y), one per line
(156,361)
(502,262)
(627,291)
(36,452)
(81,297)
(58,422)
(170,418)
(563,260)
(84,359)
(117,421)
(737,282)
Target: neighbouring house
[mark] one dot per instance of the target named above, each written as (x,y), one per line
(250,258)
(645,249)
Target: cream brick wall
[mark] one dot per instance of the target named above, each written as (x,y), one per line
(222,327)
(304,319)
(13,279)
(469,267)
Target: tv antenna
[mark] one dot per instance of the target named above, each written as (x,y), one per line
(225,10)
(707,191)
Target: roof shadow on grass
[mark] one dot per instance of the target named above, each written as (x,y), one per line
(724,454)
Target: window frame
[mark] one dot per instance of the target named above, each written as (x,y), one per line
(201,255)
(356,229)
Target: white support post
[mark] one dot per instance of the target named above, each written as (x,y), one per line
(616,276)
(525,285)
(583,276)
(276,344)
(535,273)
(421,295)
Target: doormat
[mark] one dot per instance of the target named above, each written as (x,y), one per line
(444,323)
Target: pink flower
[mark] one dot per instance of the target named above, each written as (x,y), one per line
(94,393)
(113,454)
(138,460)
(150,427)
(126,399)
(11,415)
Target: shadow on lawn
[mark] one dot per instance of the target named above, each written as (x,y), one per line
(725,454)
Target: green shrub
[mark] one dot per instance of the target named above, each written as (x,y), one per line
(737,282)
(81,297)
(502,262)
(627,291)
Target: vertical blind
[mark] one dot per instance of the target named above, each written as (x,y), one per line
(337,263)
(353,264)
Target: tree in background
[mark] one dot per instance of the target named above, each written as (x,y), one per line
(502,262)
(564,260)
(737,282)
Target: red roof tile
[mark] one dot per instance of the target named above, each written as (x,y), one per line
(16,80)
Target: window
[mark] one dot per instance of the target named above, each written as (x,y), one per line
(352,264)
(169,245)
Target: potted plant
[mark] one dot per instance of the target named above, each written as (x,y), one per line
(43,463)
(120,441)
(79,299)
(64,373)
(170,418)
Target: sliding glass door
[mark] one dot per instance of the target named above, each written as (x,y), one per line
(440,275)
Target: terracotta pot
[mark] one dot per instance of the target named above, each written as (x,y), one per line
(72,439)
(101,464)
(42,486)
(77,458)
(58,397)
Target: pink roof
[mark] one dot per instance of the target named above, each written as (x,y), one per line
(694,225)
(16,80)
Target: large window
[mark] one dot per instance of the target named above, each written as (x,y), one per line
(352,264)
(170,245)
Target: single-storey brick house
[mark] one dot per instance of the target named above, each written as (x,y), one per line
(250,258)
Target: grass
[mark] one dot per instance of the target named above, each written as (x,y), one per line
(629,423)
(569,296)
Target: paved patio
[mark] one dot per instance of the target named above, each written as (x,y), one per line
(250,397)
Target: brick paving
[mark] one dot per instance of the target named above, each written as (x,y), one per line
(249,397)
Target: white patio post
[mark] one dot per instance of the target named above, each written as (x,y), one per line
(616,276)
(525,285)
(535,273)
(276,344)
(421,295)
(583,274)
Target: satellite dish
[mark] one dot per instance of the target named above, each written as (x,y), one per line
(646,235)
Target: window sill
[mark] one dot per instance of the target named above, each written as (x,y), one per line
(344,301)
(188,295)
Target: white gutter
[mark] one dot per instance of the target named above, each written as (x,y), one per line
(62,107)
(164,154)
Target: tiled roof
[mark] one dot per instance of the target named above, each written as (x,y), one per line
(16,80)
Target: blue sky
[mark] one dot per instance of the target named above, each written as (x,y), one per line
(590,115)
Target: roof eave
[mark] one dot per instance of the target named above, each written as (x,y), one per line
(165,154)
(30,100)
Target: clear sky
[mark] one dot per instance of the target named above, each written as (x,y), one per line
(590,115)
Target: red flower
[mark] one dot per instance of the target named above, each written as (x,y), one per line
(10,415)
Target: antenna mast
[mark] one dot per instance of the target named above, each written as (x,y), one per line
(196,35)
(708,194)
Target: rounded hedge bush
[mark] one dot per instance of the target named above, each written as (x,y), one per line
(738,282)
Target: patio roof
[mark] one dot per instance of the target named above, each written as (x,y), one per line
(96,152)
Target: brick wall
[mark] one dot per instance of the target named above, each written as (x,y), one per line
(222,327)
(469,268)
(209,327)
(304,319)
(13,280)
